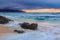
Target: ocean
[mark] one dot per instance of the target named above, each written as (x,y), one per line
(39,17)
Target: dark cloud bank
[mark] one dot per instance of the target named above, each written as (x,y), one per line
(29,4)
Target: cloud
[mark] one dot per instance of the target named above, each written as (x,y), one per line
(29,4)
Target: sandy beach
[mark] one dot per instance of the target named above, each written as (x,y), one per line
(5,30)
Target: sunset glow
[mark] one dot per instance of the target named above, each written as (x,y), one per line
(42,10)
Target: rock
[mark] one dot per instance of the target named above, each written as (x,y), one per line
(4,20)
(32,26)
(25,25)
(19,31)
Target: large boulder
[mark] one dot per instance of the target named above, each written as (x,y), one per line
(32,26)
(4,20)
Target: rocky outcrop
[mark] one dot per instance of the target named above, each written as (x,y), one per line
(32,26)
(4,20)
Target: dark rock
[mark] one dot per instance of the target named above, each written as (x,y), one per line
(25,25)
(15,30)
(32,26)
(4,20)
(19,31)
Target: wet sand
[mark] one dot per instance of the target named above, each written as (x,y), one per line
(5,30)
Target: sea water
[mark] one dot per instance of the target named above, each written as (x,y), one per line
(40,17)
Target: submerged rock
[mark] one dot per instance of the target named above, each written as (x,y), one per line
(32,26)
(19,31)
(4,20)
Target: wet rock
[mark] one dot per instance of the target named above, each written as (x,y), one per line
(19,31)
(32,26)
(4,20)
(25,25)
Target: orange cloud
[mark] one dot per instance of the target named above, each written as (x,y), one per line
(42,10)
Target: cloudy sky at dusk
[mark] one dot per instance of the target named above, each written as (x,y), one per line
(29,4)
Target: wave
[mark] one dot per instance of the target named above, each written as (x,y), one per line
(34,16)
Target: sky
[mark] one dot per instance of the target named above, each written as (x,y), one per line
(42,10)
(29,4)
